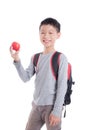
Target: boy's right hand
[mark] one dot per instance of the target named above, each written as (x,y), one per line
(14,54)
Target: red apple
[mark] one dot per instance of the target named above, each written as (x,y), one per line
(15,46)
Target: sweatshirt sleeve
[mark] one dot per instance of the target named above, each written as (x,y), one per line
(61,86)
(25,74)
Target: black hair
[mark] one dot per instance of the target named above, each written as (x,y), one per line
(51,21)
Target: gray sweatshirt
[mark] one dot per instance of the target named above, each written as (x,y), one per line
(48,91)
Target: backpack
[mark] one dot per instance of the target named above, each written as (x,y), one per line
(55,67)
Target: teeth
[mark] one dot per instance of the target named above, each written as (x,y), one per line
(46,41)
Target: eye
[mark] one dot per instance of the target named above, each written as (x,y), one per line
(42,32)
(50,32)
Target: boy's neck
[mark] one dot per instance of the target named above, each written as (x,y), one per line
(48,50)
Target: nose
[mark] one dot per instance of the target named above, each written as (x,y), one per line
(46,35)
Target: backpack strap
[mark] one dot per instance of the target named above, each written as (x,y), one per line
(35,59)
(55,64)
(69,71)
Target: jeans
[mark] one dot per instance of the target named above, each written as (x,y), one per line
(39,116)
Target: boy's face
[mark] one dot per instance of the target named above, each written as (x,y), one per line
(48,35)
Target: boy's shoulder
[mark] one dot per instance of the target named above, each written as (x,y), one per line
(55,56)
(61,55)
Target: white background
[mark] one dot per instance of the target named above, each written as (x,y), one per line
(19,21)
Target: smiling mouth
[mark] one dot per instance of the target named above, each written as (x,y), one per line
(46,41)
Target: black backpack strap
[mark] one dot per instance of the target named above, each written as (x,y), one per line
(35,59)
(55,64)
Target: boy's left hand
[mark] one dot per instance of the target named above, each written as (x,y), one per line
(54,120)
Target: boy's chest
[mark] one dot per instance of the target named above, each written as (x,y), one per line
(43,64)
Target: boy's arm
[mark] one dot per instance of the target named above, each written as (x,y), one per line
(61,86)
(25,74)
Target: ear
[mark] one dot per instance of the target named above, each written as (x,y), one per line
(58,34)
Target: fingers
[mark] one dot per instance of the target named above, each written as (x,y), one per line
(14,54)
(53,120)
(13,51)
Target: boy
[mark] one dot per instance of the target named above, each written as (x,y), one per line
(49,93)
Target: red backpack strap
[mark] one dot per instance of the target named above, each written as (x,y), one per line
(69,71)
